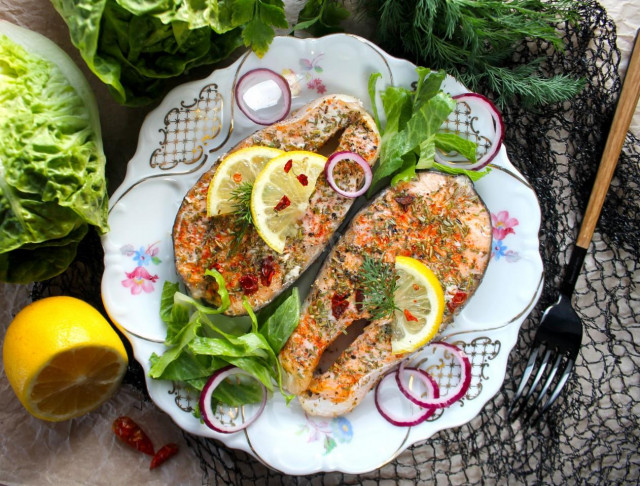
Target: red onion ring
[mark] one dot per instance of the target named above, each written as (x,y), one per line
(263,96)
(454,394)
(478,102)
(210,417)
(420,414)
(330,166)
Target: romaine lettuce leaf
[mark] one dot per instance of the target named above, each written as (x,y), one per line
(52,181)
(133,46)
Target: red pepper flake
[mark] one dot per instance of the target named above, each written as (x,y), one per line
(288,165)
(339,304)
(249,284)
(163,454)
(302,178)
(132,434)
(283,204)
(237,177)
(267,271)
(409,316)
(404,201)
(216,266)
(458,299)
(359,299)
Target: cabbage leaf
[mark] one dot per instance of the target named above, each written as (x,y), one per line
(52,181)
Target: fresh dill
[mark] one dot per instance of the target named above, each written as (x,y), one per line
(241,197)
(378,281)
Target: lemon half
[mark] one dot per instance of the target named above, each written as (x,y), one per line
(62,358)
(281,193)
(235,169)
(419,299)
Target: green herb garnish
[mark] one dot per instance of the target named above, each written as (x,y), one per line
(241,197)
(378,281)
(478,41)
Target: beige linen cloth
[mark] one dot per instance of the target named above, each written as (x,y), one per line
(84,450)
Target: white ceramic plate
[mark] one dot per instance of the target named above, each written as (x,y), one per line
(179,140)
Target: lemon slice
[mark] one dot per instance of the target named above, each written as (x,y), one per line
(62,358)
(235,169)
(281,195)
(419,299)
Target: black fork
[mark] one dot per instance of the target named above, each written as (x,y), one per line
(558,339)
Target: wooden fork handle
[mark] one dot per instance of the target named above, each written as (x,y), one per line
(621,120)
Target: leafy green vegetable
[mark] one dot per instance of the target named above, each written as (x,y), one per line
(477,42)
(134,46)
(321,17)
(52,182)
(411,134)
(199,344)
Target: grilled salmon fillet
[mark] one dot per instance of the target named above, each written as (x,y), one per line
(250,268)
(436,218)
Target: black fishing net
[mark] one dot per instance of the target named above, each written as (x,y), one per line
(592,435)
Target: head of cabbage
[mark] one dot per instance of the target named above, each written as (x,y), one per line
(52,181)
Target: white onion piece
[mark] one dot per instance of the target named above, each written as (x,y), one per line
(235,419)
(395,417)
(337,157)
(482,107)
(263,96)
(454,394)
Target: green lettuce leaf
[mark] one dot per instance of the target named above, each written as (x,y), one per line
(134,46)
(52,180)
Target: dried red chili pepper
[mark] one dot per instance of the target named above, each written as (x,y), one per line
(458,298)
(267,271)
(283,204)
(302,178)
(249,284)
(339,304)
(409,316)
(163,454)
(237,177)
(288,165)
(131,434)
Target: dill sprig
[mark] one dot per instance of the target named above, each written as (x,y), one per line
(378,281)
(241,197)
(478,42)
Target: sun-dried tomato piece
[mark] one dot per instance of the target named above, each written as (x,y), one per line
(458,299)
(249,284)
(359,299)
(339,304)
(267,271)
(132,434)
(163,454)
(302,178)
(283,204)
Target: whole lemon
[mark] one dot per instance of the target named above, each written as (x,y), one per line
(62,358)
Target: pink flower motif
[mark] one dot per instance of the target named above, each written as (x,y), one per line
(318,85)
(503,225)
(140,280)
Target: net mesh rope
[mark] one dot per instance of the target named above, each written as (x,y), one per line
(592,435)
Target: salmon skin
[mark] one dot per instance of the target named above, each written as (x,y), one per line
(252,268)
(436,218)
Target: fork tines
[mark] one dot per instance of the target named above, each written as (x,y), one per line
(546,372)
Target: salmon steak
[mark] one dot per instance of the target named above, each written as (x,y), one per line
(436,218)
(250,267)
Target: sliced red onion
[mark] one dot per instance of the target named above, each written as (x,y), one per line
(330,166)
(454,394)
(403,378)
(418,414)
(480,106)
(263,96)
(235,420)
